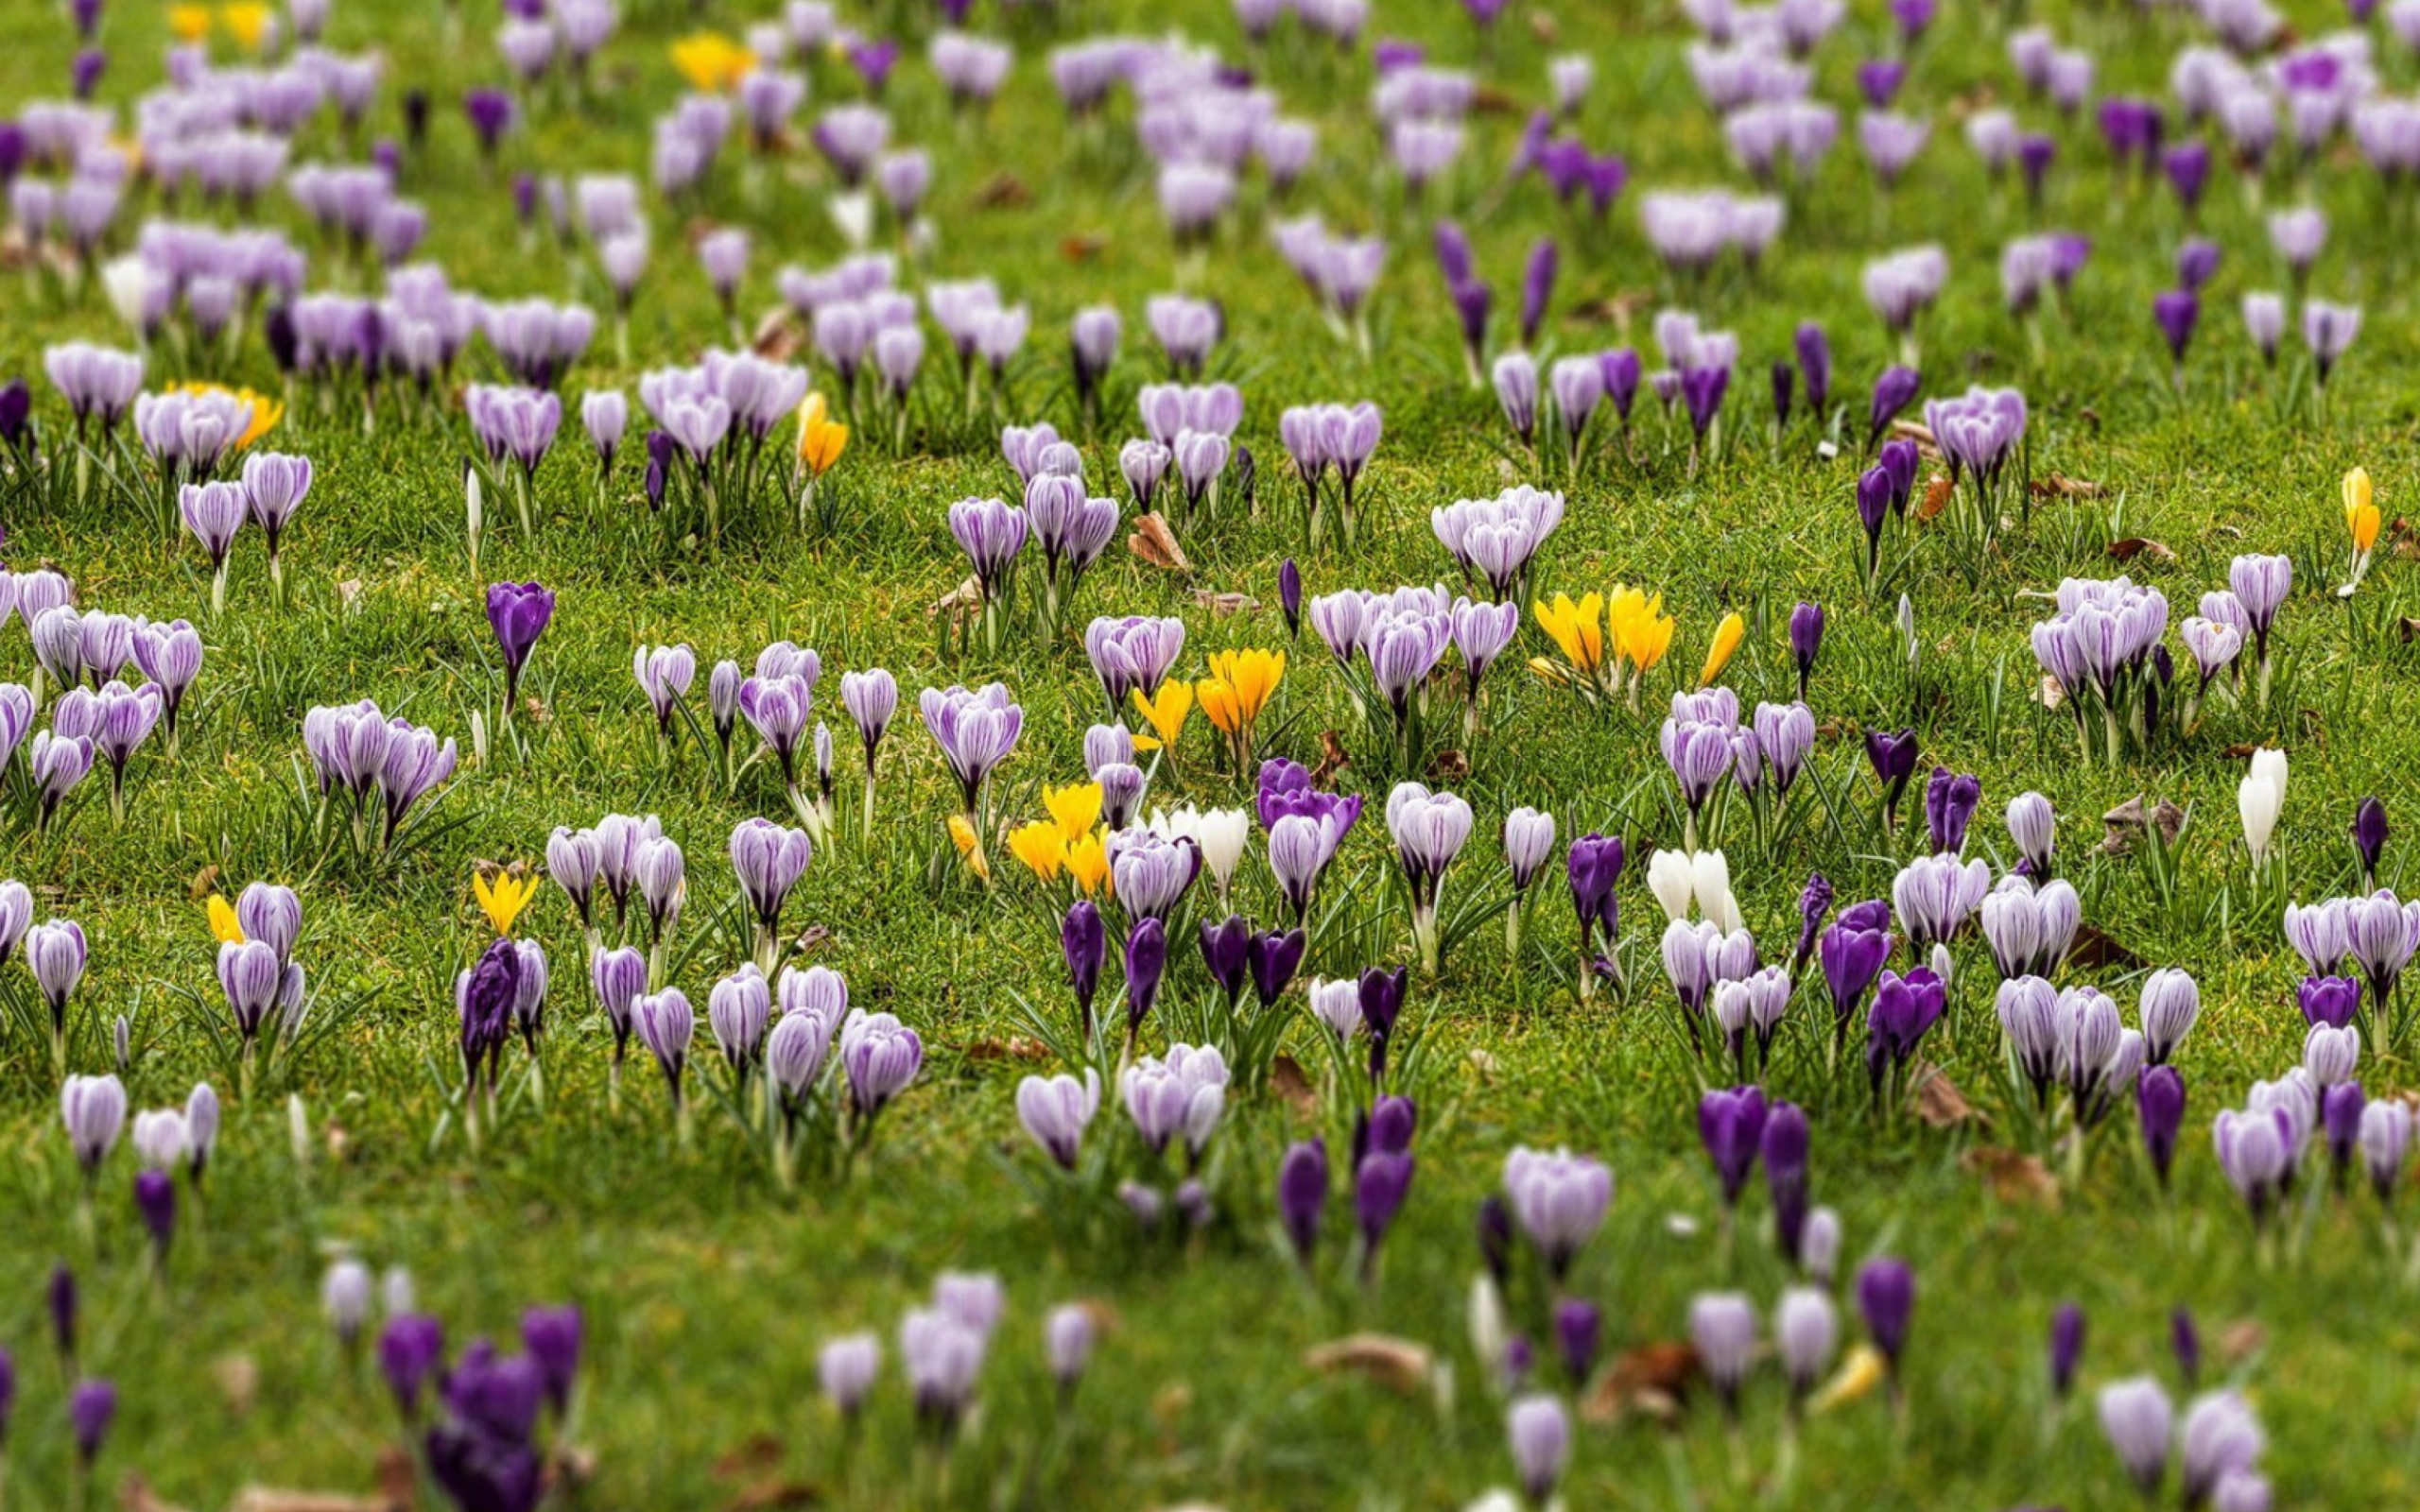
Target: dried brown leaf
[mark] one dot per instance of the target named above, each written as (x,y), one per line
(205,882)
(2410,627)
(772,1494)
(1012,1047)
(1653,1380)
(1223,605)
(1489,100)
(1448,765)
(1083,248)
(960,602)
(1003,191)
(1332,757)
(2133,546)
(2049,693)
(1939,1102)
(1156,543)
(239,1382)
(2125,823)
(135,1494)
(2240,1341)
(1293,1087)
(2014,1178)
(1936,497)
(262,1499)
(2093,951)
(2059,485)
(778,334)
(753,1455)
(1399,1365)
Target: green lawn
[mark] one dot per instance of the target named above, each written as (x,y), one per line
(708,1290)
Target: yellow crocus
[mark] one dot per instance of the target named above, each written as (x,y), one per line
(970,846)
(2360,510)
(1642,631)
(1088,863)
(1166,714)
(502,893)
(1040,846)
(247,21)
(1075,807)
(222,920)
(711,61)
(1575,629)
(820,438)
(1239,687)
(262,413)
(191,23)
(1863,1370)
(1726,639)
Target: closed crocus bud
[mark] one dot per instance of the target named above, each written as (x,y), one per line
(2369,838)
(1578,1327)
(1806,1330)
(1068,1339)
(552,1336)
(202,1129)
(1289,597)
(410,1349)
(155,1203)
(2170,1002)
(1886,1297)
(1057,1110)
(2033,827)
(2136,1419)
(1806,641)
(1722,1329)
(91,1408)
(344,1297)
(94,1109)
(2159,1107)
(846,1368)
(2067,1346)
(1301,1195)
(1083,939)
(1819,1248)
(1147,957)
(1539,1431)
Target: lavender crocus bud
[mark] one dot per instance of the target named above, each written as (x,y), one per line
(2066,1347)
(1539,1431)
(93,1110)
(344,1296)
(1068,1337)
(1056,1111)
(846,1368)
(2136,1419)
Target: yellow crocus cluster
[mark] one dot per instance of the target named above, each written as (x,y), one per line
(503,892)
(1620,651)
(247,21)
(711,61)
(1166,715)
(262,412)
(820,438)
(1238,687)
(1070,842)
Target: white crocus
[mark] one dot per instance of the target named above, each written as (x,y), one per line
(2260,800)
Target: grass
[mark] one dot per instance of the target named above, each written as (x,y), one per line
(708,1291)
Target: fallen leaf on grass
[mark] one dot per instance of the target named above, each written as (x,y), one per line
(770,1494)
(1287,1079)
(751,1455)
(960,602)
(205,882)
(1332,758)
(135,1494)
(1155,543)
(777,337)
(1487,100)
(1939,1102)
(1002,190)
(239,1382)
(2059,486)
(262,1499)
(1223,605)
(2093,951)
(1936,498)
(2125,823)
(2133,546)
(1014,1047)
(2051,694)
(2014,1178)
(2409,627)
(1448,765)
(1083,248)
(1398,1365)
(1653,1380)
(2240,1340)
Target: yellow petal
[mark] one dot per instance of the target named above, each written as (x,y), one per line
(1040,846)
(970,846)
(1861,1372)
(1727,640)
(2357,490)
(1088,863)
(222,920)
(1076,808)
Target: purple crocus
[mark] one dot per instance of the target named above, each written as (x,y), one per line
(1893,760)
(1083,939)
(2176,312)
(1885,1298)
(519,613)
(1379,1188)
(2159,1107)
(1731,1123)
(1893,392)
(1301,1195)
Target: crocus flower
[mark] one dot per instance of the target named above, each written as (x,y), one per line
(2136,1419)
(1731,1123)
(1379,1188)
(1056,1111)
(518,612)
(1301,1195)
(1885,1298)
(1559,1199)
(1538,1428)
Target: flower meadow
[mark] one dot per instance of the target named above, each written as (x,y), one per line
(1284,754)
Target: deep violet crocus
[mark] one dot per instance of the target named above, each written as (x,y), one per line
(519,613)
